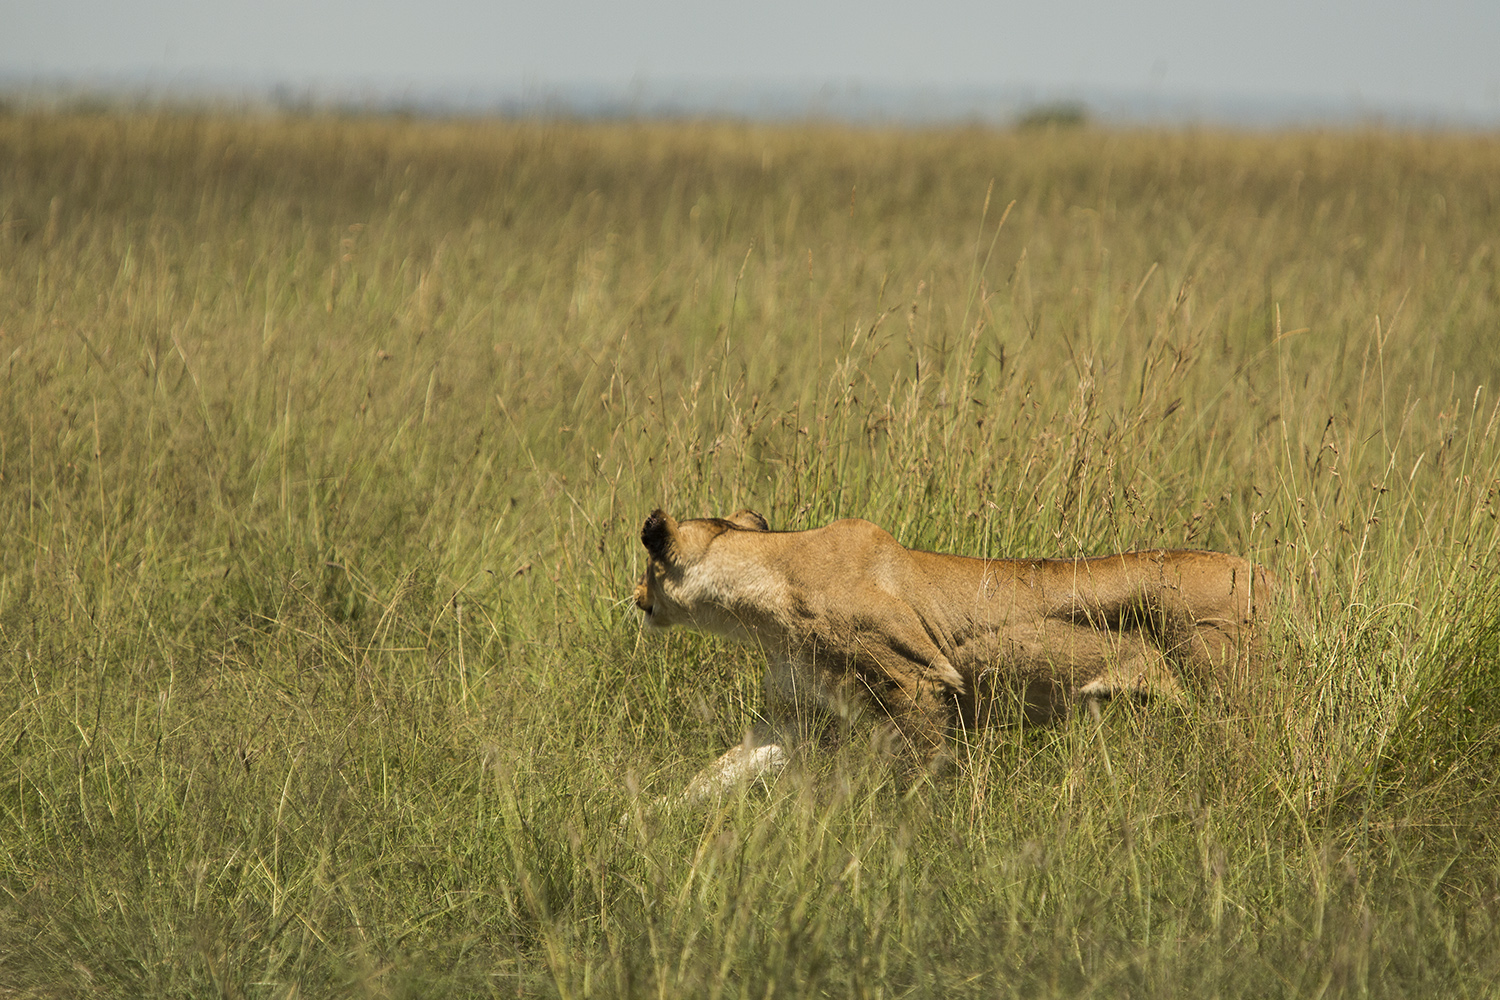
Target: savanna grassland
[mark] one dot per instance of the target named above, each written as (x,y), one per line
(325,445)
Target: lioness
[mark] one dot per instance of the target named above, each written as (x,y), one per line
(852,622)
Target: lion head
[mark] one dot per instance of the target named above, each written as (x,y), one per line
(675,589)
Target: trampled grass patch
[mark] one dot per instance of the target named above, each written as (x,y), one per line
(325,445)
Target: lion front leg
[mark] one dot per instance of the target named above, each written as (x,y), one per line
(920,714)
(796,705)
(758,757)
(763,752)
(749,761)
(1137,670)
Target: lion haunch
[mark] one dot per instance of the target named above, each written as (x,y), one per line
(853,623)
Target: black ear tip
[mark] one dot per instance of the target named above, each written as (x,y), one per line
(655,533)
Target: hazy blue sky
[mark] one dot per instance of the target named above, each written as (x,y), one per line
(1442,55)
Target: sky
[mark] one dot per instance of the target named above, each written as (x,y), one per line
(1437,58)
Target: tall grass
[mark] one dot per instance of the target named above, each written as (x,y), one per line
(324,445)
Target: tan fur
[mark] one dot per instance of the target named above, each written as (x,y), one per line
(851,622)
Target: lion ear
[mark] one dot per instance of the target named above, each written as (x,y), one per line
(659,534)
(750,521)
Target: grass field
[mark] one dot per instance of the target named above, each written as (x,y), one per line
(324,449)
